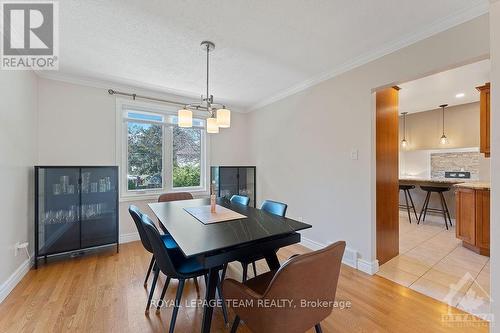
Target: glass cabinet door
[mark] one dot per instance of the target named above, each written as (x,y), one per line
(58,210)
(246,183)
(98,206)
(228,178)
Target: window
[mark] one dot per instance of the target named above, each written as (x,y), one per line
(158,156)
(145,156)
(186,157)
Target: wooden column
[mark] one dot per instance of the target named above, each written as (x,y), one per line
(387,164)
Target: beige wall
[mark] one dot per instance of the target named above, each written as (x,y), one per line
(18,118)
(231,146)
(424,129)
(77,126)
(302,144)
(495,160)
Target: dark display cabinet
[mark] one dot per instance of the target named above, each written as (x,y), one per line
(230,180)
(76,208)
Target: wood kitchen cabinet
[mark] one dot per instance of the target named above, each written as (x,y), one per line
(485,119)
(473,219)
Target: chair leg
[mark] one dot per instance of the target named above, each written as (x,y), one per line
(317,327)
(178,296)
(149,271)
(447,211)
(254,269)
(224,270)
(160,302)
(245,272)
(236,323)
(223,301)
(441,197)
(151,292)
(412,205)
(424,208)
(407,206)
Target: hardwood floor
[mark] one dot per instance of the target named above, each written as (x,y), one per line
(103,292)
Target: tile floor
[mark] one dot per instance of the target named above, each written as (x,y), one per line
(433,262)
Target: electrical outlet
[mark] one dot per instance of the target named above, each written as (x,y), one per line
(20,246)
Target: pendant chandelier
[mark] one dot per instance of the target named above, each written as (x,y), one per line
(404,142)
(218,115)
(444,139)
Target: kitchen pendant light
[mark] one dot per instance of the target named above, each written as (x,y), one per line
(218,115)
(404,142)
(444,139)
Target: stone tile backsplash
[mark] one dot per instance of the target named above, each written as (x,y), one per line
(460,161)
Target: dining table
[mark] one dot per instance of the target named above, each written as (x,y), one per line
(216,244)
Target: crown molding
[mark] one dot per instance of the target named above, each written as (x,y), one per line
(475,10)
(130,86)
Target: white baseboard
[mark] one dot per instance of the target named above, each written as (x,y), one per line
(130,237)
(310,244)
(14,279)
(350,257)
(369,267)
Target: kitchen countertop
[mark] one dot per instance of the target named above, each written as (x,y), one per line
(442,181)
(475,185)
(435,180)
(462,183)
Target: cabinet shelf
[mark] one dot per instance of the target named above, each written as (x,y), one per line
(68,222)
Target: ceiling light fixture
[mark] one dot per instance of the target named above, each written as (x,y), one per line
(219,116)
(444,139)
(460,95)
(404,142)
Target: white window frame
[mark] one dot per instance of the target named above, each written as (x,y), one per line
(122,107)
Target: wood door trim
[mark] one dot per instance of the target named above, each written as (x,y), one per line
(387,174)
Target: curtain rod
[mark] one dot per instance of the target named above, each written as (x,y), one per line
(134,96)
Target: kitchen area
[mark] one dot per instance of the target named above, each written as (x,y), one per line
(444,188)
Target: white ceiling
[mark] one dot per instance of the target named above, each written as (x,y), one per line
(429,92)
(264,48)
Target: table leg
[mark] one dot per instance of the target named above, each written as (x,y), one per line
(209,298)
(272,260)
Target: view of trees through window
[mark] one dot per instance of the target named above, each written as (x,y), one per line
(145,156)
(186,157)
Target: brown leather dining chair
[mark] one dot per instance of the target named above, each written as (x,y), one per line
(176,196)
(304,280)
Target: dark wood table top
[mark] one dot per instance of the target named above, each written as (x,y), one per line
(195,238)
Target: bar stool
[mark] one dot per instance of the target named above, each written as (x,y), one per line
(406,189)
(444,207)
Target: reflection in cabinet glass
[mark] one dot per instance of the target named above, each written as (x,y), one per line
(76,208)
(230,180)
